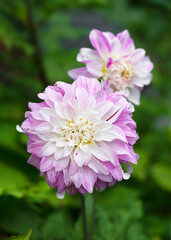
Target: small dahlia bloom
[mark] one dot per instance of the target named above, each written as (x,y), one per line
(115,61)
(80,135)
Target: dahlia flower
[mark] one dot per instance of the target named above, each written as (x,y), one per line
(115,61)
(80,135)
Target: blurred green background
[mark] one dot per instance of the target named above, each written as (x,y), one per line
(138,209)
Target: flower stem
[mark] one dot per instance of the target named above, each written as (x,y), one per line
(84,217)
(93,215)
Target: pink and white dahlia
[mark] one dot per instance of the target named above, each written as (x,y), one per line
(116,61)
(80,135)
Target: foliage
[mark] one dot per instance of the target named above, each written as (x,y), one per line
(23,237)
(137,209)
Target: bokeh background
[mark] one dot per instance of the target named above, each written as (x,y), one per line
(31,55)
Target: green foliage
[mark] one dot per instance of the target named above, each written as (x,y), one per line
(162,175)
(137,209)
(23,237)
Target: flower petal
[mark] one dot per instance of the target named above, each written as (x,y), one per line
(88,179)
(87,54)
(125,39)
(75,73)
(101,151)
(48,149)
(95,69)
(46,164)
(100,43)
(91,85)
(134,96)
(61,164)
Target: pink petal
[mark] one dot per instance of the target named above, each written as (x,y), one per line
(125,39)
(88,179)
(62,87)
(119,147)
(46,164)
(61,164)
(35,147)
(97,167)
(100,43)
(82,97)
(43,127)
(119,133)
(137,55)
(116,172)
(75,73)
(101,185)
(109,35)
(51,175)
(91,85)
(35,161)
(73,166)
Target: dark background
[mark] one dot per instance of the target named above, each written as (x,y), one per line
(138,209)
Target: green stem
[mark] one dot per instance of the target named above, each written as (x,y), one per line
(84,218)
(93,216)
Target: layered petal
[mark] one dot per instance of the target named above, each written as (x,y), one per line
(116,62)
(80,135)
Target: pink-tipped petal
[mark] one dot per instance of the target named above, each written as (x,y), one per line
(75,73)
(100,43)
(76,139)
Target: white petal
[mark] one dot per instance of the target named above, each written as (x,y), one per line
(141,81)
(82,97)
(87,54)
(46,113)
(115,46)
(60,195)
(19,129)
(97,167)
(119,133)
(103,107)
(59,108)
(80,157)
(126,176)
(95,68)
(137,55)
(134,96)
(48,149)
(101,151)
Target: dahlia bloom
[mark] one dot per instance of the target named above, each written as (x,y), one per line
(115,61)
(80,135)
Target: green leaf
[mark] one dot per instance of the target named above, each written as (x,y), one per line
(9,135)
(141,169)
(12,180)
(59,221)
(18,216)
(9,36)
(162,175)
(21,237)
